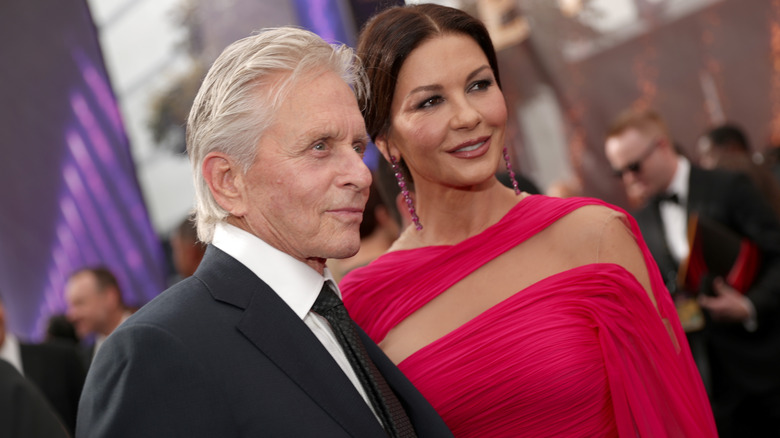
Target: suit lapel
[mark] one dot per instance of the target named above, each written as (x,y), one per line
(651,224)
(695,189)
(271,326)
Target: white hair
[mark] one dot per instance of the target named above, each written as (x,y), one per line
(242,92)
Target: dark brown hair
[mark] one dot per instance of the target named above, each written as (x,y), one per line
(390,36)
(104,277)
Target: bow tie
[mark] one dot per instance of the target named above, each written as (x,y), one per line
(668,197)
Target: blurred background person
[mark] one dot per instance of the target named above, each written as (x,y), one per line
(565,188)
(509,311)
(95,306)
(56,370)
(59,329)
(523,183)
(24,411)
(741,337)
(727,147)
(186,250)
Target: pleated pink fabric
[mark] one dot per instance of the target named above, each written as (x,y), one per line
(582,353)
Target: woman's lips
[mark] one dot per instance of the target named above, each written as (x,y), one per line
(472,149)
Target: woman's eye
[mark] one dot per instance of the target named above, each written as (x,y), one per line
(481,85)
(429,102)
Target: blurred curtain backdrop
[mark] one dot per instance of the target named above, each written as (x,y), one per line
(69,193)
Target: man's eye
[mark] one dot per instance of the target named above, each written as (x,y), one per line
(319,147)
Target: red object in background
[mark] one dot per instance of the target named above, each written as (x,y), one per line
(717,251)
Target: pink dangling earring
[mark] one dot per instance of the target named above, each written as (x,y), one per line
(511,172)
(399,176)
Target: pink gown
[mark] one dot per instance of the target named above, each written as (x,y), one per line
(582,353)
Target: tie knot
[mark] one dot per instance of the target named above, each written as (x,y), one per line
(327,300)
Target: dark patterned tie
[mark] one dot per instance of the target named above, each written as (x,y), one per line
(384,401)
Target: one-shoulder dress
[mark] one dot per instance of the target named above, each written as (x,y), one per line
(582,353)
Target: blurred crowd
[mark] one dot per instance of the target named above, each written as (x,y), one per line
(46,379)
(709,215)
(645,159)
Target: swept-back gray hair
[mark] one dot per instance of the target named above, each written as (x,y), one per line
(242,92)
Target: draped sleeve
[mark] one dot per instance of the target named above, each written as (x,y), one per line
(585,352)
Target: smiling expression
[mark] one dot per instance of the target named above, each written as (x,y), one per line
(448,115)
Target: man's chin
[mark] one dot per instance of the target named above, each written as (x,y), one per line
(345,251)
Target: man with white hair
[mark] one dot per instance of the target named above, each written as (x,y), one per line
(257,342)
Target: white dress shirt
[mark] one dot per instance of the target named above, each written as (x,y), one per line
(11,352)
(296,283)
(675,215)
(675,219)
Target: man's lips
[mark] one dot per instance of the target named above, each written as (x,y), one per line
(347,212)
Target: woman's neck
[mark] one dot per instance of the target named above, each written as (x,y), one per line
(450,215)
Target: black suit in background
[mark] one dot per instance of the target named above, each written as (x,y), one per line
(221,355)
(24,411)
(744,366)
(59,374)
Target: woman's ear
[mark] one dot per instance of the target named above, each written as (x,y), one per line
(386,149)
(226,182)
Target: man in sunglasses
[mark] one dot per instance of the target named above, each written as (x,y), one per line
(739,346)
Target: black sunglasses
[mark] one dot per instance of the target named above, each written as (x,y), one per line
(636,166)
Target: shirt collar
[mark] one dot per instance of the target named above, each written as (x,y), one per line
(10,351)
(297,283)
(679,184)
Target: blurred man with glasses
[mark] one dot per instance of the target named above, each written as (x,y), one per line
(739,346)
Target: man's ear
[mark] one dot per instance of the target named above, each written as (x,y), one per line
(113,296)
(226,182)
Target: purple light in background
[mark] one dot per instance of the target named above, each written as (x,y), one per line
(100,89)
(126,189)
(117,224)
(73,223)
(323,17)
(67,242)
(92,216)
(318,16)
(87,212)
(372,156)
(78,202)
(95,134)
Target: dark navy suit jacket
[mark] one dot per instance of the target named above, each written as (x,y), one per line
(220,354)
(58,373)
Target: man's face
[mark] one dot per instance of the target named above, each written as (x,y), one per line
(87,306)
(637,156)
(307,188)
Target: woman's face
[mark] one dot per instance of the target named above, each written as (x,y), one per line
(448,115)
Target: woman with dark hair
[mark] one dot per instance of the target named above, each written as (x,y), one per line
(514,314)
